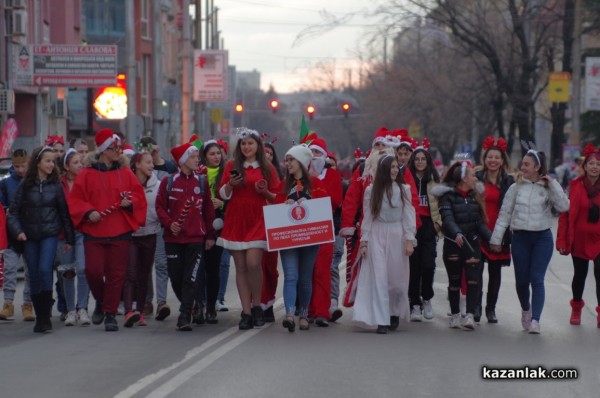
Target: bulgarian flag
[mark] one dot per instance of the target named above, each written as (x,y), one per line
(306,135)
(196,141)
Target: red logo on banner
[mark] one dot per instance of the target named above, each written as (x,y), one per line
(298,214)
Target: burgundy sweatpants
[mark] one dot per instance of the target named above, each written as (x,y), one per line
(105,269)
(321,291)
(270,276)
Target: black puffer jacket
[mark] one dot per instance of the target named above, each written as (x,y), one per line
(40,211)
(460,215)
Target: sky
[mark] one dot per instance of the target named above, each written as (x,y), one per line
(260,34)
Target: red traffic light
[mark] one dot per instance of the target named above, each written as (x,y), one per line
(239,107)
(345,108)
(274,105)
(311,111)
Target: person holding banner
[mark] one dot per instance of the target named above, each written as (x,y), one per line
(247,184)
(298,263)
(387,240)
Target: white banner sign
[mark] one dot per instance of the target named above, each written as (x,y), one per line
(211,76)
(592,83)
(305,224)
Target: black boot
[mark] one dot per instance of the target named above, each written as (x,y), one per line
(98,314)
(47,303)
(269,315)
(36,300)
(110,323)
(183,322)
(477,312)
(246,322)
(490,308)
(394,322)
(258,316)
(490,313)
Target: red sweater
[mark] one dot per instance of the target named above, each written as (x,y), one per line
(332,182)
(576,235)
(198,224)
(97,188)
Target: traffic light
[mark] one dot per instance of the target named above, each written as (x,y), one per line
(274,105)
(311,111)
(239,108)
(346,109)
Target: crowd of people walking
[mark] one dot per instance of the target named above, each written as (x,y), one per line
(120,221)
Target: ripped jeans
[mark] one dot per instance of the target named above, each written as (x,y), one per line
(458,259)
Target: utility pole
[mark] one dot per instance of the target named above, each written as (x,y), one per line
(186,80)
(199,107)
(575,136)
(131,71)
(158,113)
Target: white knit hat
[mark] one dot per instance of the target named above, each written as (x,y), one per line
(301,153)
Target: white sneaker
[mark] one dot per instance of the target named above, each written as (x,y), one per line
(220,306)
(415,314)
(84,318)
(71,319)
(455,321)
(535,327)
(427,309)
(121,308)
(526,319)
(468,322)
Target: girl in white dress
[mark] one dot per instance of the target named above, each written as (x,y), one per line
(388,239)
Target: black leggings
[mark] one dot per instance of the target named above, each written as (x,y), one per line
(494,281)
(581,269)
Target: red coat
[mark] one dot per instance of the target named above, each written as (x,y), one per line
(332,182)
(3,236)
(587,244)
(198,224)
(98,189)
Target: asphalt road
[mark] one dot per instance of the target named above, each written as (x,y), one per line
(421,359)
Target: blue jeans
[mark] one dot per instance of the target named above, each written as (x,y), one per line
(223,275)
(531,252)
(39,256)
(298,265)
(72,265)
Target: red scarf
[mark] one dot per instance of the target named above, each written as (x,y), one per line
(592,190)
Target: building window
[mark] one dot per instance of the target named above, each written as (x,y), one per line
(145,19)
(145,80)
(106,18)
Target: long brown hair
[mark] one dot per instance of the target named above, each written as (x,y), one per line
(382,185)
(290,180)
(239,159)
(32,170)
(454,176)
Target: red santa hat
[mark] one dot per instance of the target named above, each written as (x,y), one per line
(405,140)
(128,150)
(104,138)
(319,144)
(380,136)
(182,153)
(223,145)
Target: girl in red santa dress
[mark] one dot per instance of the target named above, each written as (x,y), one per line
(247,185)
(583,219)
(321,294)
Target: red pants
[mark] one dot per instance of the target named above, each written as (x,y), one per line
(105,268)
(321,289)
(270,276)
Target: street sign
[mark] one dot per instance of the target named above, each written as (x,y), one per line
(592,83)
(211,76)
(216,115)
(65,65)
(558,86)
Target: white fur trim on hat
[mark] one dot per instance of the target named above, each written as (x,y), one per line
(107,143)
(319,149)
(301,153)
(186,155)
